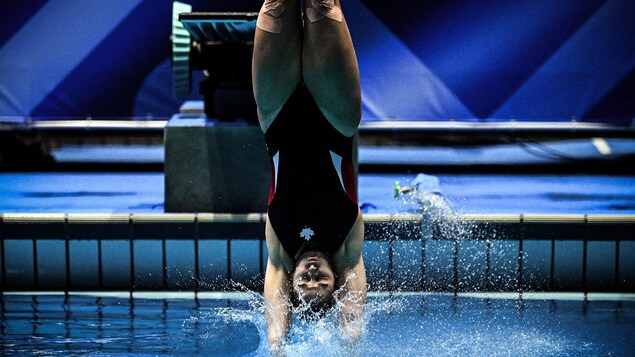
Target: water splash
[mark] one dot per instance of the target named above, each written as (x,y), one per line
(439,217)
(415,325)
(435,248)
(418,326)
(309,334)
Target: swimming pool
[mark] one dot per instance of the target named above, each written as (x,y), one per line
(45,259)
(232,324)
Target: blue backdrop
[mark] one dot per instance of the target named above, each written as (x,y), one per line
(477,60)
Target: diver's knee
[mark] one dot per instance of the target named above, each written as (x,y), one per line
(317,10)
(270,16)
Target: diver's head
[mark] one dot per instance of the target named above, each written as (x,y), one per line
(314,281)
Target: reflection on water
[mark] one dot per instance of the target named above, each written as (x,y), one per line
(417,325)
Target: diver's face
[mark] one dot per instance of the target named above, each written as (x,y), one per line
(313,276)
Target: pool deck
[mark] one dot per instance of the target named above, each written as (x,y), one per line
(468,193)
(246,296)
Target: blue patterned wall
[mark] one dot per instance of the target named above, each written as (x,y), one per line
(477,60)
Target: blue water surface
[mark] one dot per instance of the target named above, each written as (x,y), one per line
(411,325)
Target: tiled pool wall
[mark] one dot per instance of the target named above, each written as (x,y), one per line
(210,252)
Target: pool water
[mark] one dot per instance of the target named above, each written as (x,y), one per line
(400,324)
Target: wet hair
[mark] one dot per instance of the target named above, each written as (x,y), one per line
(316,307)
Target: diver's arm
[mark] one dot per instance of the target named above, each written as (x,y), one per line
(352,281)
(277,309)
(276,292)
(353,297)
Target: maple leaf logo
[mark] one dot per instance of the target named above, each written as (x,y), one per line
(307,233)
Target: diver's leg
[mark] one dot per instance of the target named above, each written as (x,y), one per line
(276,65)
(329,64)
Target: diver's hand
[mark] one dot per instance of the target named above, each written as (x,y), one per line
(277,348)
(352,326)
(351,335)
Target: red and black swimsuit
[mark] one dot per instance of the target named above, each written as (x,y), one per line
(313,196)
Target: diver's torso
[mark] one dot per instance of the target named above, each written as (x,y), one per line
(313,195)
